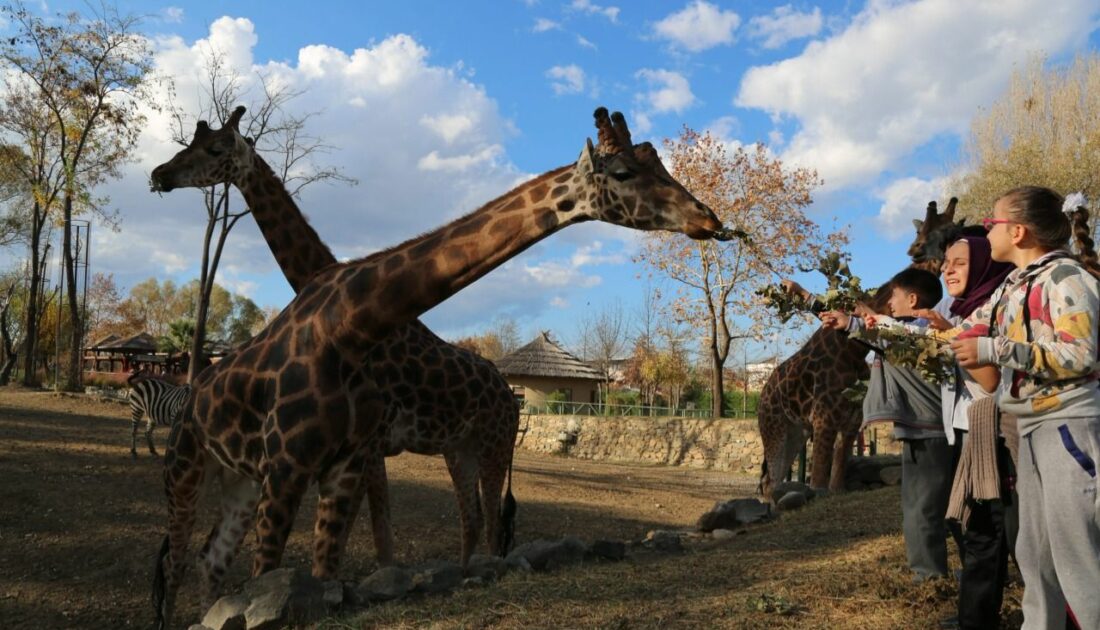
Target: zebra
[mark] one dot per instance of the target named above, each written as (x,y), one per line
(158,400)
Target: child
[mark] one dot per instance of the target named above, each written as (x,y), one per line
(900,395)
(1044,318)
(971,276)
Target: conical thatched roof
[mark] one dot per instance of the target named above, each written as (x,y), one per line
(141,342)
(543,357)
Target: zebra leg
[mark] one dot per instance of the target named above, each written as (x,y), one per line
(463,467)
(136,412)
(150,425)
(239,495)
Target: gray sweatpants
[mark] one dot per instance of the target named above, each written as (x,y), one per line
(926,473)
(1059,543)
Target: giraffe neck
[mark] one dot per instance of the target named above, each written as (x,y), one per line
(296,246)
(393,287)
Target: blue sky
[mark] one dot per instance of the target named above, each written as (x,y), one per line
(437,107)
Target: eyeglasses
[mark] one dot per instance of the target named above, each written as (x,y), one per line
(988,222)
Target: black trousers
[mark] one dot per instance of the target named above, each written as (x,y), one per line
(986,544)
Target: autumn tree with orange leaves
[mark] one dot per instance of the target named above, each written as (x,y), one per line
(753,192)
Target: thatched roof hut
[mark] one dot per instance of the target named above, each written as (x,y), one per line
(543,367)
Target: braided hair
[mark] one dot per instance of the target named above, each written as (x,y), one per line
(1040,209)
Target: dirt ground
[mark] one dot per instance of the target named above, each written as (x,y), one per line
(80,520)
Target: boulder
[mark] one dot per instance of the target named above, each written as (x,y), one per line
(487,568)
(791,501)
(890,475)
(544,555)
(786,487)
(723,534)
(437,577)
(613,550)
(660,540)
(284,597)
(227,613)
(385,584)
(732,514)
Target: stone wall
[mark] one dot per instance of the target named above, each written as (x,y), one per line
(725,444)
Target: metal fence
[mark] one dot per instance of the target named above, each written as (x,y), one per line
(562,408)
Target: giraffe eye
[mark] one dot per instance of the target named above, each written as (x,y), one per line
(214,151)
(622,175)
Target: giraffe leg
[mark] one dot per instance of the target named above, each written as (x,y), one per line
(149,426)
(824,437)
(844,450)
(183,479)
(280,496)
(494,470)
(783,440)
(463,466)
(376,485)
(239,495)
(337,508)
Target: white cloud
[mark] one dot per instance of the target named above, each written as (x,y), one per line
(864,98)
(904,200)
(559,302)
(698,26)
(424,142)
(670,91)
(555,274)
(542,25)
(449,126)
(785,24)
(586,6)
(566,79)
(584,43)
(172,15)
(591,254)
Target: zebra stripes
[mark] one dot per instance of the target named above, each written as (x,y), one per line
(159,401)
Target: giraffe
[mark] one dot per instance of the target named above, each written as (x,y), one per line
(805,391)
(283,409)
(471,418)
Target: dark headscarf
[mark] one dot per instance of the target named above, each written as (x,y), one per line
(983,277)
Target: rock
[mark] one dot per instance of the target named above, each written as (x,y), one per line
(437,577)
(732,514)
(723,534)
(473,582)
(786,487)
(487,568)
(853,485)
(385,584)
(890,475)
(614,550)
(227,613)
(198,626)
(282,597)
(543,555)
(518,562)
(334,594)
(791,501)
(660,540)
(875,485)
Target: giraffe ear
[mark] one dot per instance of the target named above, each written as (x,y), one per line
(917,223)
(585,163)
(250,142)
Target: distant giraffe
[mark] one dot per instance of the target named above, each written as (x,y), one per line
(804,393)
(440,399)
(282,410)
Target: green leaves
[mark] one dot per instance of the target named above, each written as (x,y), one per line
(843,293)
(931,358)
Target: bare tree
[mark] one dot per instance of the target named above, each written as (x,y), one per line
(605,339)
(278,134)
(90,73)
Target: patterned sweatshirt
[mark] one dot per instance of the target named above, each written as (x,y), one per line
(1045,317)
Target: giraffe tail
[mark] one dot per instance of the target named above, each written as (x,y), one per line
(763,476)
(507,531)
(160,587)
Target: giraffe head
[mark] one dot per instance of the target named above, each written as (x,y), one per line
(624,183)
(921,254)
(213,157)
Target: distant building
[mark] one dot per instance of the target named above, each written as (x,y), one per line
(542,367)
(756,374)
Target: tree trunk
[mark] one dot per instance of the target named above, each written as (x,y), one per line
(72,377)
(30,335)
(205,277)
(10,355)
(717,397)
